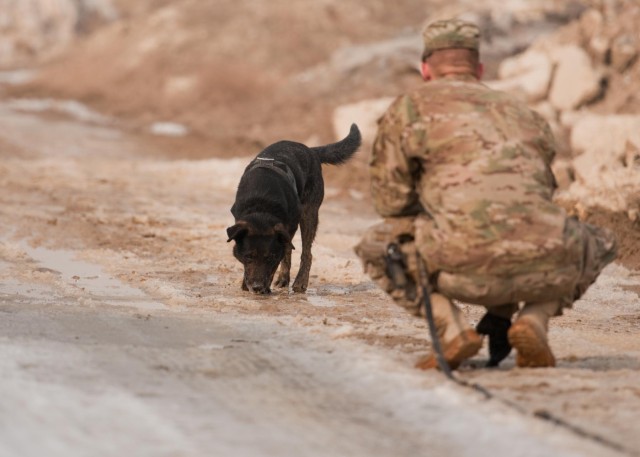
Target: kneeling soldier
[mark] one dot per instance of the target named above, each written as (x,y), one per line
(461,173)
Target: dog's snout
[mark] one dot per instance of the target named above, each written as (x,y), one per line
(259,288)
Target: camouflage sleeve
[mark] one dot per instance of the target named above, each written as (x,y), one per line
(392,171)
(547,148)
(547,142)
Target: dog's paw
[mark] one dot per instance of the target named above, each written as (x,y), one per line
(282,281)
(299,287)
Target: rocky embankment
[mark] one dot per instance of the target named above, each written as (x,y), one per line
(235,85)
(584,80)
(36,30)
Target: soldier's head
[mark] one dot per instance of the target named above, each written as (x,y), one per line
(451,47)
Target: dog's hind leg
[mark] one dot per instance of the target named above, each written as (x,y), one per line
(285,268)
(308,228)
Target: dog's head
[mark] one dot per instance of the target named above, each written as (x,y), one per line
(260,248)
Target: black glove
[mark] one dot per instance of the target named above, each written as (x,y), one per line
(496,328)
(395,269)
(395,266)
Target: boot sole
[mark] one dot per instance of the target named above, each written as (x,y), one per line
(531,345)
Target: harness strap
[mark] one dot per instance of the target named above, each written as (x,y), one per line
(280,168)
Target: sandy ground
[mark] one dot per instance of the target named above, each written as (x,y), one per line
(124,331)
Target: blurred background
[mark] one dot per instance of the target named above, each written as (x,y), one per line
(224,78)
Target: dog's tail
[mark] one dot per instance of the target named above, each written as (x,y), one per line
(340,152)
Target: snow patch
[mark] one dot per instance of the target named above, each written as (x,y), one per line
(168,129)
(71,108)
(86,278)
(16,77)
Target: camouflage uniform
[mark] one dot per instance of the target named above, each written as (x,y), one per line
(462,172)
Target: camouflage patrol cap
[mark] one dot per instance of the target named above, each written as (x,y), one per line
(450,33)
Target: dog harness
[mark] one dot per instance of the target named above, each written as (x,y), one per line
(280,168)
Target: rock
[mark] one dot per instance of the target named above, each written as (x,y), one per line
(576,82)
(631,157)
(606,136)
(624,50)
(570,118)
(546,110)
(35,29)
(590,23)
(599,47)
(29,28)
(608,170)
(94,12)
(591,30)
(564,172)
(529,72)
(614,190)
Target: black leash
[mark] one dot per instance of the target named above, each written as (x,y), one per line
(435,340)
(428,310)
(446,370)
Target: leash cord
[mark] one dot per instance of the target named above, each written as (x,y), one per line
(446,370)
(428,311)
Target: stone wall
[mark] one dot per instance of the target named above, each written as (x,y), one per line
(584,80)
(33,30)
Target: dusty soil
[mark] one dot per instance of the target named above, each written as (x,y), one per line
(120,297)
(119,289)
(627,234)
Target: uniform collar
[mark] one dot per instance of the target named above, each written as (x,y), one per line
(459,77)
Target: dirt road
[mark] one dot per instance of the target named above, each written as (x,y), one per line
(123,330)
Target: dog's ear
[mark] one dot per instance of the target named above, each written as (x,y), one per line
(283,235)
(238,231)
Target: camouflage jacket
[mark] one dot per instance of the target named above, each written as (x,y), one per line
(475,163)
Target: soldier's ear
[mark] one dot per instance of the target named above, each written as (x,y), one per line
(425,70)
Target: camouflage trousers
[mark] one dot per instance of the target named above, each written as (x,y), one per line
(594,248)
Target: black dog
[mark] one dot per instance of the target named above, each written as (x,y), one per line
(281,188)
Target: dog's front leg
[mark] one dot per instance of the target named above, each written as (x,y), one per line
(285,268)
(302,279)
(308,228)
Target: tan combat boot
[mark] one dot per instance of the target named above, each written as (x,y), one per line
(458,340)
(528,335)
